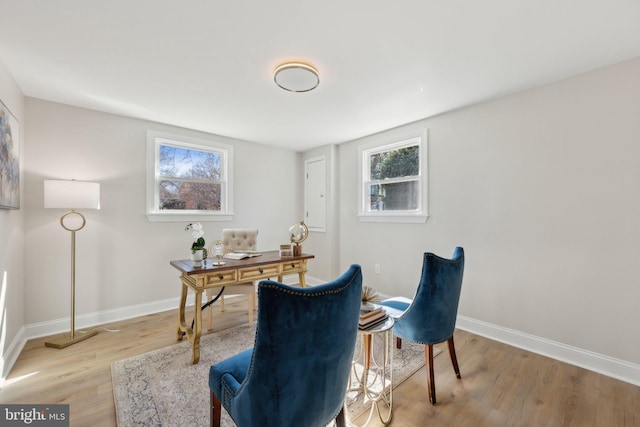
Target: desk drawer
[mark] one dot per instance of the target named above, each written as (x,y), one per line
(260,272)
(293,266)
(221,278)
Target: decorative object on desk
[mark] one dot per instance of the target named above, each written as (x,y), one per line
(298,234)
(162,387)
(71,195)
(218,248)
(197,257)
(198,251)
(369,295)
(198,240)
(285,251)
(9,159)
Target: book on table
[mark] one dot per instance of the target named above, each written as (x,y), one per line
(372,313)
(373,324)
(371,318)
(241,255)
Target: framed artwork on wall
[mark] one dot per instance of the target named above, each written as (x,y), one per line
(9,159)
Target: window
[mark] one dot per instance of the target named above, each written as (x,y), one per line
(187,178)
(393,182)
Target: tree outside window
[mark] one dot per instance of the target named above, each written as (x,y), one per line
(190,179)
(393,182)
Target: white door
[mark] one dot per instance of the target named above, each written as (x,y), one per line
(315,203)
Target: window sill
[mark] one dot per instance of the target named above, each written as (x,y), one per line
(187,217)
(407,219)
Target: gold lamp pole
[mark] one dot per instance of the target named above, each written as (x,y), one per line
(71,194)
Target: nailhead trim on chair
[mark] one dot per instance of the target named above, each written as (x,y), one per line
(307,294)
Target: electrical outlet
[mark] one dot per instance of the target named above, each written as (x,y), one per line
(377,268)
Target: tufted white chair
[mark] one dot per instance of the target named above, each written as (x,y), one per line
(237,240)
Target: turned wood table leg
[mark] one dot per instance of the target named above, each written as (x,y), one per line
(302,280)
(197,328)
(182,326)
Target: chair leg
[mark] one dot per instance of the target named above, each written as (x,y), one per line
(428,350)
(341,419)
(398,342)
(215,410)
(454,359)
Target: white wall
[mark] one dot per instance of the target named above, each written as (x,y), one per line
(122,259)
(541,188)
(326,265)
(11,236)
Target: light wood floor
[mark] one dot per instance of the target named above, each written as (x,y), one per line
(500,385)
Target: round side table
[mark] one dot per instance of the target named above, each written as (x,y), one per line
(370,373)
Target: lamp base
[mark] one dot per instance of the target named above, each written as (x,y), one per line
(65,340)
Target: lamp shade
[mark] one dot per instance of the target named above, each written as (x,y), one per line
(71,194)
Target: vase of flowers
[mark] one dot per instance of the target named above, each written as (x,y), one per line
(198,251)
(197,257)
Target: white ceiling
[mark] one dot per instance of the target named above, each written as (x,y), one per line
(207,65)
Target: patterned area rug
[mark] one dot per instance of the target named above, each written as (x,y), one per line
(163,387)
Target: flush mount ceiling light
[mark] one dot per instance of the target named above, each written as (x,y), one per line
(296,76)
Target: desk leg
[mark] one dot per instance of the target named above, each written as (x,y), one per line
(193,334)
(182,326)
(197,328)
(301,279)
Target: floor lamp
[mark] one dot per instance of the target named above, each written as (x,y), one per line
(71,195)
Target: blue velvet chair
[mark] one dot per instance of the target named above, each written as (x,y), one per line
(430,318)
(297,373)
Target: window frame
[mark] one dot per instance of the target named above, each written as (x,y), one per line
(154,140)
(365,151)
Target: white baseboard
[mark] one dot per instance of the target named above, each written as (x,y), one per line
(57,326)
(609,366)
(9,357)
(42,329)
(616,368)
(89,320)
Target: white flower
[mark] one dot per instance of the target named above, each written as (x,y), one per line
(196,230)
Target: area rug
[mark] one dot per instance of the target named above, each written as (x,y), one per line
(163,387)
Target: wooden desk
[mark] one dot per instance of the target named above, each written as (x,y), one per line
(266,266)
